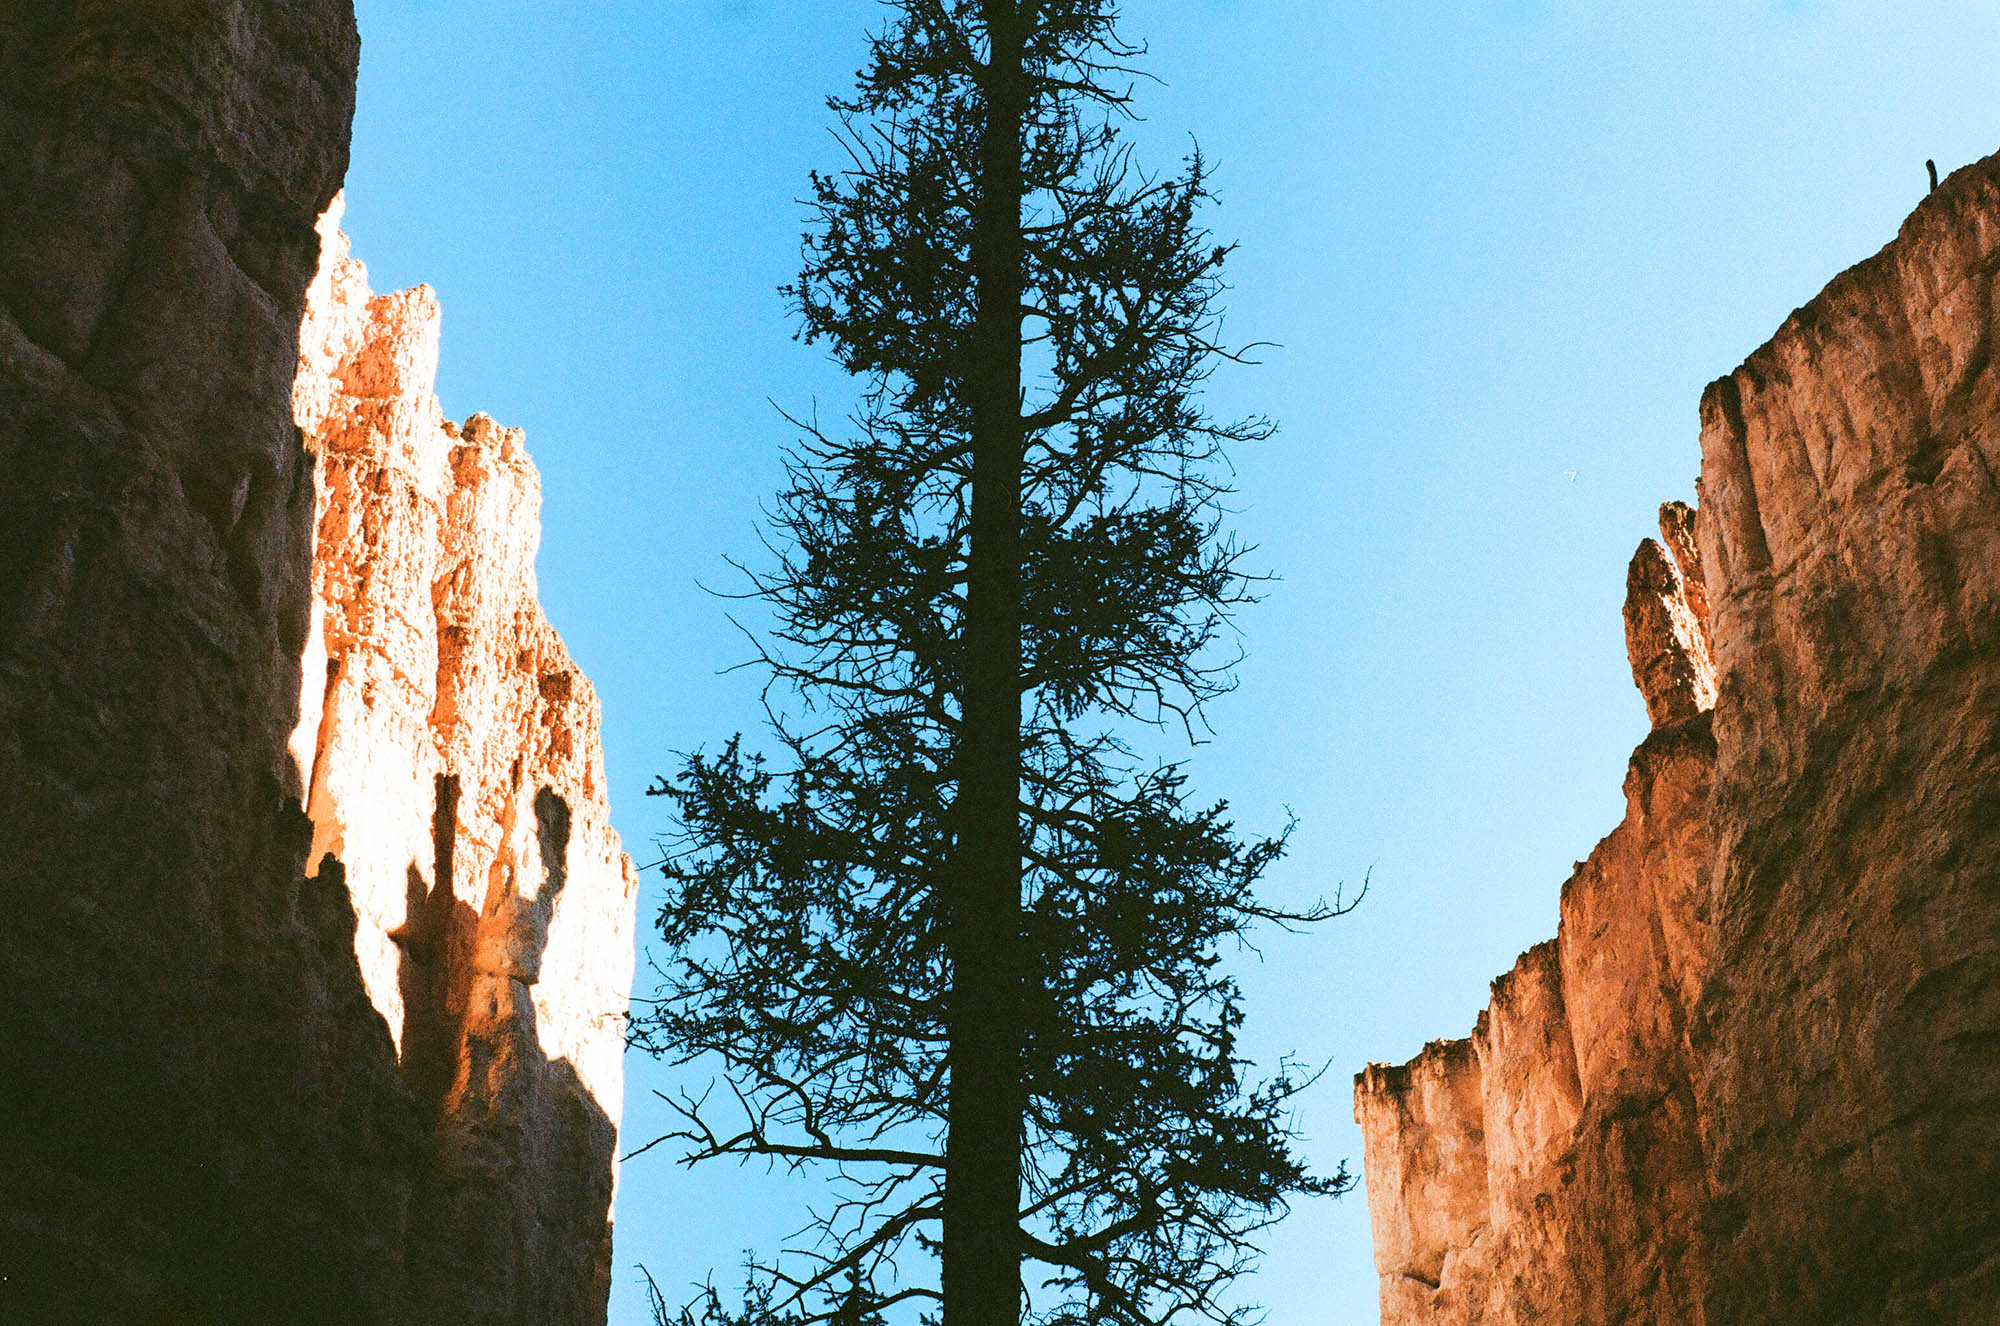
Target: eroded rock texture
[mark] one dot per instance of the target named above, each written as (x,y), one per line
(454,768)
(1850,1032)
(1756,1077)
(1561,1171)
(357,1065)
(187,1049)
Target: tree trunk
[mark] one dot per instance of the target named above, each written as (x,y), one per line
(981,1274)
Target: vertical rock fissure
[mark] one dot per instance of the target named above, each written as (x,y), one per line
(434,918)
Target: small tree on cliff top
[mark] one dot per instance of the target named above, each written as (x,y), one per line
(960,945)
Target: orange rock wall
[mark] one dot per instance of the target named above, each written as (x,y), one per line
(1756,1076)
(1547,1168)
(452,757)
(1849,1035)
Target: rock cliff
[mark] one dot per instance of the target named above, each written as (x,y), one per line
(451,754)
(187,1048)
(1756,1076)
(1547,1168)
(317,935)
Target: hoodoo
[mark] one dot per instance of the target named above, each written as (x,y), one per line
(1756,1076)
(450,753)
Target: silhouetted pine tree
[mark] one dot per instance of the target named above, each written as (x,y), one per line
(960,943)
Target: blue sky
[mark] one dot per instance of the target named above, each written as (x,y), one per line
(1495,243)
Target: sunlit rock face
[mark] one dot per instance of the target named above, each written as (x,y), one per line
(1756,1076)
(450,750)
(1667,622)
(1427,1155)
(1562,1168)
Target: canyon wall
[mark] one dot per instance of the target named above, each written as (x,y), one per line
(450,749)
(317,938)
(187,1049)
(1756,1076)
(1849,1033)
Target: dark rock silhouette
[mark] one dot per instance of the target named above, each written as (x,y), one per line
(187,1049)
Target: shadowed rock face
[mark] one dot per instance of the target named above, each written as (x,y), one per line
(317,935)
(1849,1034)
(202,1118)
(1756,1077)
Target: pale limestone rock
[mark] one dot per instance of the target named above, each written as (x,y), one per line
(1426,1156)
(458,776)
